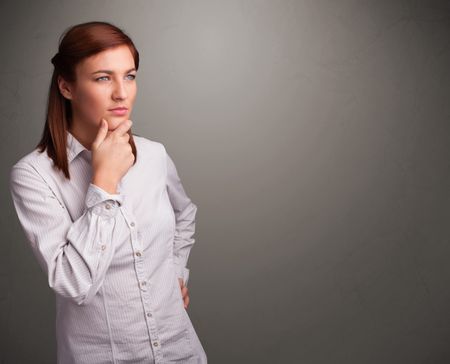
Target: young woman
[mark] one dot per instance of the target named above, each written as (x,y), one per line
(105,213)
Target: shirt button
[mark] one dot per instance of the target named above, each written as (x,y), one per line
(143,283)
(138,254)
(103,247)
(149,314)
(108,206)
(155,344)
(132,223)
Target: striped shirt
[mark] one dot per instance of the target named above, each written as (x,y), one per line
(112,260)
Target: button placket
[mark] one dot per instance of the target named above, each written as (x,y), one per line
(143,284)
(152,328)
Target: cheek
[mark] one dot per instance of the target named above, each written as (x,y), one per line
(132,93)
(93,102)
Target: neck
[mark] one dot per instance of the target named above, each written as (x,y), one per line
(83,133)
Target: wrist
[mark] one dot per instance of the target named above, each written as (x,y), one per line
(105,184)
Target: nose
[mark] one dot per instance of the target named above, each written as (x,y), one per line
(119,92)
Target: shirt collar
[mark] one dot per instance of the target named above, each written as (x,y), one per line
(74,147)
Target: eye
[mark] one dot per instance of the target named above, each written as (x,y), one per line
(133,76)
(99,78)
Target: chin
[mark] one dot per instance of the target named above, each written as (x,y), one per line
(114,121)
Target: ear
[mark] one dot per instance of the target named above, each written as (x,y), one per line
(64,88)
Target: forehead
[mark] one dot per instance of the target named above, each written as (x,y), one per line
(116,59)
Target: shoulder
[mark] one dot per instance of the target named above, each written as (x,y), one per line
(27,175)
(149,146)
(33,161)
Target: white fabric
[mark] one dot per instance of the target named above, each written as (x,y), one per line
(113,260)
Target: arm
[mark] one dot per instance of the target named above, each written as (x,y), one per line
(185,212)
(74,255)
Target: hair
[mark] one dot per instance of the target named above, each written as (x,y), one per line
(76,43)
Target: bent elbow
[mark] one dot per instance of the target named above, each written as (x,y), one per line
(74,293)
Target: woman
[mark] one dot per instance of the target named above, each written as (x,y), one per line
(106,214)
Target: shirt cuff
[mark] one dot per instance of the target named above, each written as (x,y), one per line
(183,273)
(102,202)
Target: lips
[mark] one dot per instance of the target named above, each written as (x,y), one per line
(119,111)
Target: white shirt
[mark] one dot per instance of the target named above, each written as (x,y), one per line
(113,260)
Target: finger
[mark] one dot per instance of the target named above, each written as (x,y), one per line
(125,137)
(101,134)
(186,301)
(123,127)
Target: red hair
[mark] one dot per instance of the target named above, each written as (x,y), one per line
(78,42)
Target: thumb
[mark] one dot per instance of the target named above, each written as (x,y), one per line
(101,134)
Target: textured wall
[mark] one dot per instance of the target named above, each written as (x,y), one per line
(314,137)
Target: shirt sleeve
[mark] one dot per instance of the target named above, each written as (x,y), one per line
(185,211)
(75,255)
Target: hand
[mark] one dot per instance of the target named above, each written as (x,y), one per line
(112,155)
(184,292)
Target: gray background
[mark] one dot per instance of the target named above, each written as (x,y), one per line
(314,138)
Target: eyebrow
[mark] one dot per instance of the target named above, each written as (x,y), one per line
(109,72)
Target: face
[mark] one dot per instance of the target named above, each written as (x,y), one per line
(104,81)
